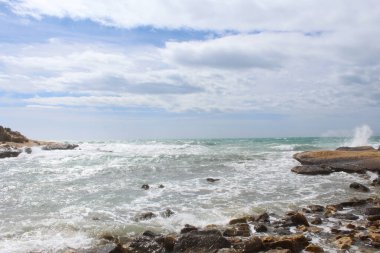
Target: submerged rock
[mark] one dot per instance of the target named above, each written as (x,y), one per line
(145,216)
(212,180)
(145,187)
(312,170)
(359,148)
(359,187)
(28,150)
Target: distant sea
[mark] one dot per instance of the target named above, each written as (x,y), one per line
(53,200)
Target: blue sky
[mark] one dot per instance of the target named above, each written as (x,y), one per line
(168,69)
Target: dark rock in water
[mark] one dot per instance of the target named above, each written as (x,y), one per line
(240,229)
(359,187)
(188,228)
(312,170)
(238,220)
(316,221)
(145,216)
(353,202)
(316,208)
(212,180)
(282,231)
(373,217)
(372,211)
(345,216)
(7,151)
(376,182)
(167,213)
(260,228)
(28,150)
(60,146)
(161,186)
(119,249)
(145,187)
(360,148)
(295,243)
(167,242)
(145,244)
(254,244)
(264,217)
(314,248)
(299,219)
(149,233)
(201,241)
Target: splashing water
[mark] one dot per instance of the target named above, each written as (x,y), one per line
(361,136)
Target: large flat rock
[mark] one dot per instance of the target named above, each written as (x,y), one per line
(357,161)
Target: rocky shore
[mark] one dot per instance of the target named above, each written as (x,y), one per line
(13,143)
(349,226)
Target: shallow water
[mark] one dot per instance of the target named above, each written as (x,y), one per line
(51,200)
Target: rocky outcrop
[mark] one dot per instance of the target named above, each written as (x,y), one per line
(7,151)
(350,160)
(7,135)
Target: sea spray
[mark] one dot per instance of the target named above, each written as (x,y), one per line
(361,136)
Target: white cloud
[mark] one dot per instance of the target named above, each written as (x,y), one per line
(239,15)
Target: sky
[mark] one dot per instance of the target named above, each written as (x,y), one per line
(128,69)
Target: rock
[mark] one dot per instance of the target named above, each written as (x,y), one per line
(238,220)
(119,249)
(167,242)
(167,213)
(295,243)
(359,148)
(314,248)
(254,244)
(7,135)
(59,146)
(374,237)
(145,187)
(161,186)
(316,221)
(260,228)
(278,251)
(344,242)
(372,211)
(376,182)
(353,202)
(188,228)
(359,187)
(345,216)
(299,219)
(149,233)
(239,229)
(373,217)
(144,244)
(28,150)
(316,208)
(225,250)
(339,160)
(201,241)
(7,151)
(145,216)
(312,170)
(212,180)
(264,217)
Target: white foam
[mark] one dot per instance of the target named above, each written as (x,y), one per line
(361,136)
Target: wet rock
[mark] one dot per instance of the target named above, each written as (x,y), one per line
(238,220)
(345,216)
(239,229)
(316,221)
(359,148)
(344,242)
(334,208)
(225,250)
(316,208)
(372,211)
(295,243)
(296,219)
(312,170)
(260,228)
(212,180)
(254,244)
(373,217)
(376,182)
(282,231)
(201,241)
(145,187)
(167,213)
(28,150)
(314,248)
(119,249)
(359,187)
(353,202)
(375,236)
(145,216)
(149,233)
(264,217)
(188,228)
(167,242)
(59,146)
(7,151)
(278,251)
(144,244)
(161,186)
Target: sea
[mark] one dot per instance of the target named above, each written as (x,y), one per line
(55,200)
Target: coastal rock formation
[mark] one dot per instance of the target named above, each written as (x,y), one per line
(7,135)
(8,151)
(59,146)
(350,160)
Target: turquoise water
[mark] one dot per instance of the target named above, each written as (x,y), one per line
(52,200)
